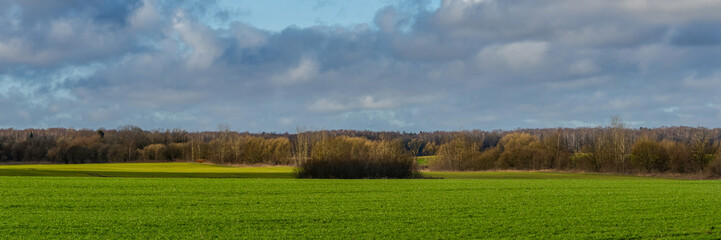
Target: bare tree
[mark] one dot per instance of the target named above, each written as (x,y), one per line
(223,142)
(302,145)
(620,144)
(133,138)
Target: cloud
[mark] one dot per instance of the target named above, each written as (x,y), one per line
(204,47)
(580,83)
(583,67)
(305,71)
(711,82)
(670,11)
(285,121)
(325,105)
(55,34)
(468,63)
(516,56)
(369,102)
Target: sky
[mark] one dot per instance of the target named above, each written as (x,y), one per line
(397,65)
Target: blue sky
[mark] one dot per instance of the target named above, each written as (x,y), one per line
(276,15)
(378,65)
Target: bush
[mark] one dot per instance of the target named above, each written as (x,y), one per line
(581,160)
(648,155)
(462,154)
(703,152)
(714,168)
(680,159)
(253,150)
(429,149)
(488,158)
(523,151)
(155,152)
(354,157)
(178,151)
(278,150)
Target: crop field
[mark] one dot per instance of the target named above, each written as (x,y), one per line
(145,170)
(493,205)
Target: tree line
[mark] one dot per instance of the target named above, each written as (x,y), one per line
(613,149)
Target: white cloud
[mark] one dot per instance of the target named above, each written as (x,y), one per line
(286,121)
(453,11)
(146,16)
(305,71)
(205,47)
(368,102)
(669,109)
(388,117)
(486,64)
(517,55)
(579,123)
(325,105)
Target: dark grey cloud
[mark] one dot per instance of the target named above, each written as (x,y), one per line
(697,34)
(468,64)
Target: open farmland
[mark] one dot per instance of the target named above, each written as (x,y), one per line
(496,205)
(145,170)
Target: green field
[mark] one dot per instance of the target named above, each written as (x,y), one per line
(423,160)
(177,170)
(495,205)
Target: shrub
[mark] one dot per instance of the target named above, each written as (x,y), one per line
(429,149)
(252,150)
(155,152)
(177,151)
(680,159)
(714,168)
(595,157)
(523,151)
(117,153)
(581,160)
(354,157)
(702,152)
(462,154)
(278,151)
(556,151)
(648,155)
(488,158)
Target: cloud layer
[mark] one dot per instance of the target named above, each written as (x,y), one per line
(466,64)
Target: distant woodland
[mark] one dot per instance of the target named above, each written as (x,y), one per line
(611,149)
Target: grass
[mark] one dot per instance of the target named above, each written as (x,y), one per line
(529,175)
(196,170)
(423,160)
(113,208)
(146,170)
(502,205)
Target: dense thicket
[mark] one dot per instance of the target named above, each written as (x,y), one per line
(616,149)
(356,157)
